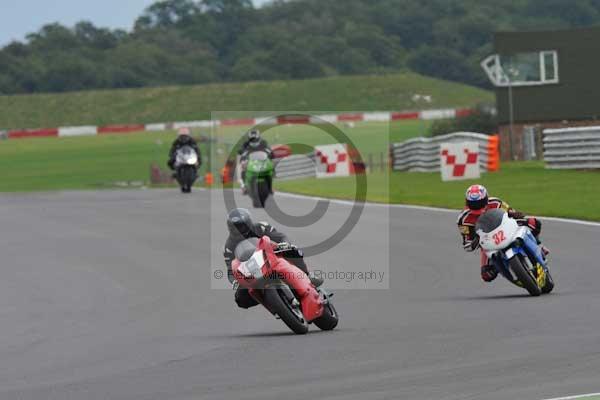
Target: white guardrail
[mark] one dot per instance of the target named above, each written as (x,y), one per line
(422,154)
(572,148)
(295,167)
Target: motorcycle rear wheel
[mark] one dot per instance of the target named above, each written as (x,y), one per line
(524,276)
(281,306)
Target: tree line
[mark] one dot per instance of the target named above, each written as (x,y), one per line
(179,42)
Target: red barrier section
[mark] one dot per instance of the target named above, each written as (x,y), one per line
(282,120)
(405,115)
(293,119)
(238,122)
(121,128)
(463,112)
(30,133)
(350,117)
(281,150)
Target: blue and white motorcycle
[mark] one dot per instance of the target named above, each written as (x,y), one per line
(514,251)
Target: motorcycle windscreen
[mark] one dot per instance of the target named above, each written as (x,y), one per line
(253,267)
(490,220)
(245,249)
(258,156)
(186,155)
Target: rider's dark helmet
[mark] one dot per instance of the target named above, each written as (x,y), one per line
(476,197)
(239,222)
(254,135)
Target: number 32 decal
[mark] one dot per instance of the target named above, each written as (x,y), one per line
(499,237)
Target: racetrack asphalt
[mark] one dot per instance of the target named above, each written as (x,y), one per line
(107,295)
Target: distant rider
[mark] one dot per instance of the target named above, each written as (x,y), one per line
(241,227)
(184,138)
(478,202)
(253,143)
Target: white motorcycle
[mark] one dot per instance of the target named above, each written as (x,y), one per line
(514,252)
(186,168)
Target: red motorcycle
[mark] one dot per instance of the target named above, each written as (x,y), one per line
(281,287)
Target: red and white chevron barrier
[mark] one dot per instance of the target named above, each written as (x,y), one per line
(284,120)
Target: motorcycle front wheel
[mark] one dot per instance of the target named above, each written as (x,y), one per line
(549,286)
(290,313)
(518,266)
(329,320)
(263,192)
(259,192)
(186,176)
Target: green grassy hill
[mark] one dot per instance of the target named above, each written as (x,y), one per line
(164,104)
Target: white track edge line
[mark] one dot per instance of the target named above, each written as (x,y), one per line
(426,208)
(581,396)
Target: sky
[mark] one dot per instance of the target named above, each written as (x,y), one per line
(20,17)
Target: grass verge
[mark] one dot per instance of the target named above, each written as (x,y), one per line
(99,161)
(527,186)
(185,103)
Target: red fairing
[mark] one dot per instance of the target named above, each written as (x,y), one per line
(312,306)
(310,301)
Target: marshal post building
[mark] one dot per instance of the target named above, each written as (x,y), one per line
(543,79)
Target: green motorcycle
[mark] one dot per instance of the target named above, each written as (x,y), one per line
(258,178)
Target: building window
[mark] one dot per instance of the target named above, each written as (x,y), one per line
(522,69)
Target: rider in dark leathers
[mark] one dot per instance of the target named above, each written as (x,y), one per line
(253,143)
(184,138)
(241,227)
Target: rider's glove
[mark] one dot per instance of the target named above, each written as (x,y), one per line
(488,273)
(471,245)
(283,246)
(516,214)
(535,225)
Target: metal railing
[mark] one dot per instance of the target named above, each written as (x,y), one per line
(295,167)
(572,148)
(422,154)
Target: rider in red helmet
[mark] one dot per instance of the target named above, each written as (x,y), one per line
(477,202)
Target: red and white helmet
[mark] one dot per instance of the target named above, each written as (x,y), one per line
(477,197)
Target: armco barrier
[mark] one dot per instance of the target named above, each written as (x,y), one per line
(572,148)
(423,154)
(77,131)
(295,167)
(121,129)
(31,133)
(384,116)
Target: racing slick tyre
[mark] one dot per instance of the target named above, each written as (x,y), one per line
(290,314)
(524,276)
(189,176)
(263,192)
(329,320)
(255,194)
(549,286)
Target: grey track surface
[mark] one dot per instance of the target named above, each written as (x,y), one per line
(106,295)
